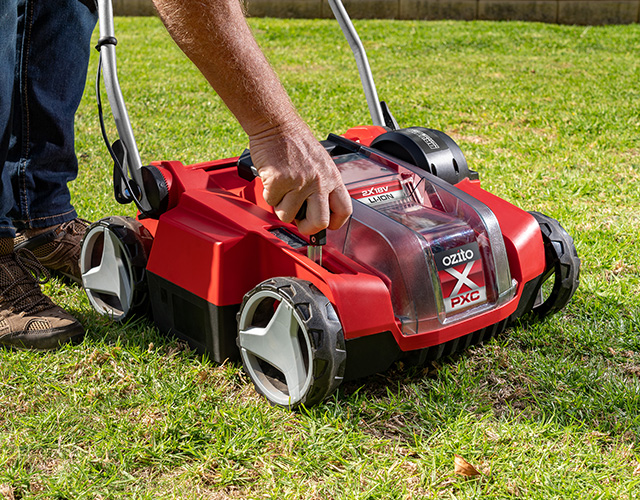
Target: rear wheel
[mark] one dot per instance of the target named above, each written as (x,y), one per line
(562,271)
(112,262)
(291,342)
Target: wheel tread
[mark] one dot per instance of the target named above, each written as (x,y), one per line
(562,257)
(324,332)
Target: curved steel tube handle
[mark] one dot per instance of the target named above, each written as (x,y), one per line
(369,86)
(132,161)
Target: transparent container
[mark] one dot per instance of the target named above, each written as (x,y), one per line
(437,249)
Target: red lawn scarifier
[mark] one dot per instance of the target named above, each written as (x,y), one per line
(428,264)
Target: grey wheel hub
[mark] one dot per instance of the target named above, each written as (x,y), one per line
(283,343)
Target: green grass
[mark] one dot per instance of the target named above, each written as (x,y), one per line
(549,116)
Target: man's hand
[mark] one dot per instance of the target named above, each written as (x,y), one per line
(294,168)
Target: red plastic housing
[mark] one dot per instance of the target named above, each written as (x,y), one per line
(216,241)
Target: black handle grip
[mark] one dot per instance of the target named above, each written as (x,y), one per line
(246,170)
(319,238)
(302,213)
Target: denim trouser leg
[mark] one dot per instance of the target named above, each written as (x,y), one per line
(8,24)
(52,53)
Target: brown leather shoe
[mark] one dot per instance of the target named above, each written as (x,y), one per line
(28,318)
(57,247)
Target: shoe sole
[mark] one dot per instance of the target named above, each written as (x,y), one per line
(45,341)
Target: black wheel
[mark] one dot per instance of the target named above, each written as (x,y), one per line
(112,262)
(291,342)
(561,277)
(431,150)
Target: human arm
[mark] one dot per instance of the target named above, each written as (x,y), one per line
(292,164)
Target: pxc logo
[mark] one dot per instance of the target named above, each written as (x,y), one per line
(461,277)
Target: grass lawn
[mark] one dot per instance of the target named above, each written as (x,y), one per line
(549,116)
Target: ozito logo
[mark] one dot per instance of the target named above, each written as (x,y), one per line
(457,256)
(461,277)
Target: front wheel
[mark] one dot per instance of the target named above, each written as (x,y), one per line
(113,259)
(561,277)
(291,342)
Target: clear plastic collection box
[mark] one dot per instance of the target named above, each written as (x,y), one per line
(431,246)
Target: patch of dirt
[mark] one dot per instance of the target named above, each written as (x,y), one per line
(6,492)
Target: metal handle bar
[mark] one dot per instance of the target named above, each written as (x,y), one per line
(362,62)
(119,110)
(132,161)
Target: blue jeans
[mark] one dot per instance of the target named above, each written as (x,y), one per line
(44,54)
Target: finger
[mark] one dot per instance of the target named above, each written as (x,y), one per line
(340,207)
(274,188)
(317,217)
(289,206)
(274,199)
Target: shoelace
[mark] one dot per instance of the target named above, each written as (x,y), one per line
(34,274)
(75,226)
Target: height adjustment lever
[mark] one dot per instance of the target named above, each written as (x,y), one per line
(247,171)
(316,241)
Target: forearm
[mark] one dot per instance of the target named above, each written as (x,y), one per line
(216,37)
(292,164)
